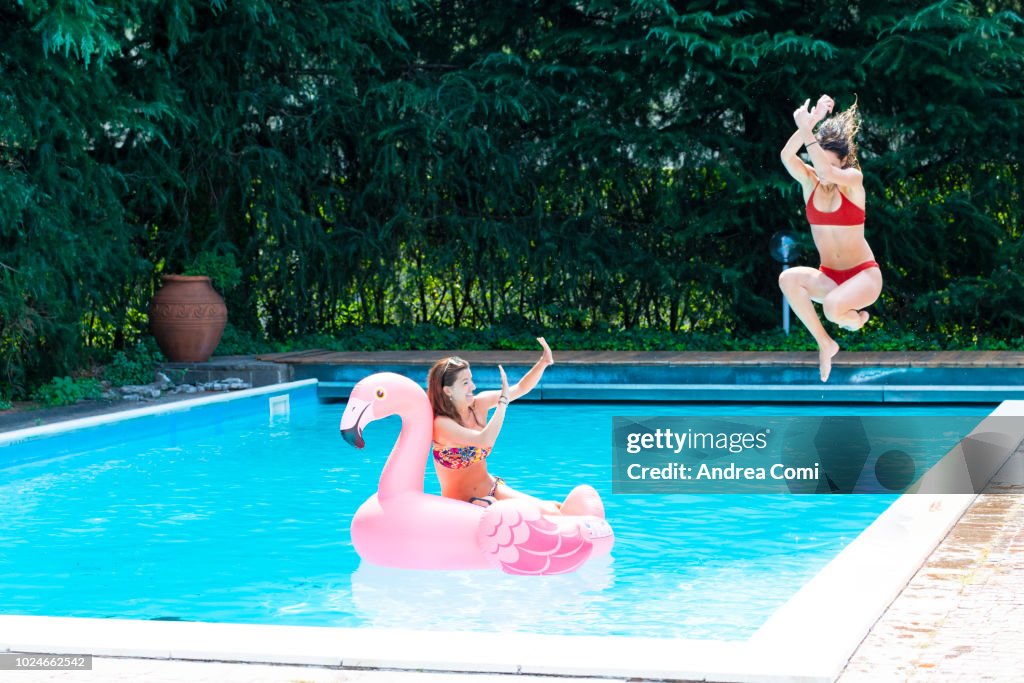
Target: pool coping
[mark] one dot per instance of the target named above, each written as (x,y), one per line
(800,642)
(23,433)
(857,377)
(755,393)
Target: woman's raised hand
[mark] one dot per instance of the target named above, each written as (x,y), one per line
(803,116)
(547,358)
(822,109)
(504,383)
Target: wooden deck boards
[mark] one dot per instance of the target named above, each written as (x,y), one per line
(920,359)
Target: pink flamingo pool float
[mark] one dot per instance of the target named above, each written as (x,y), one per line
(401,526)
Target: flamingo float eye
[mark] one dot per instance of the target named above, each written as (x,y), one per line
(381,393)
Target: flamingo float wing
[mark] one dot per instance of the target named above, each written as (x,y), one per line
(520,539)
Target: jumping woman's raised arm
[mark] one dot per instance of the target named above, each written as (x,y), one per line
(796,166)
(823,169)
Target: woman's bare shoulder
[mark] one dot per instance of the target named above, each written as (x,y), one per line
(445,421)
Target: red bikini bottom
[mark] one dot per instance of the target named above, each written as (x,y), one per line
(841,276)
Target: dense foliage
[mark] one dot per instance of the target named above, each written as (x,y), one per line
(591,168)
(416,337)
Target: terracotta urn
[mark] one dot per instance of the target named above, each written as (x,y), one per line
(187,317)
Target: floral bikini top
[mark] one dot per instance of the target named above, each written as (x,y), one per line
(459,457)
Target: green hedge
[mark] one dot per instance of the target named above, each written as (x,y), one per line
(423,337)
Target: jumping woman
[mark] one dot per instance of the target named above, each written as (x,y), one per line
(848,279)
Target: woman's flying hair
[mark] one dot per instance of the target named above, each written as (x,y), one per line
(837,133)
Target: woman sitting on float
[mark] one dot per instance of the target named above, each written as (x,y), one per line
(479,521)
(464,437)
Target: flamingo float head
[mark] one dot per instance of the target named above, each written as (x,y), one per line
(376,397)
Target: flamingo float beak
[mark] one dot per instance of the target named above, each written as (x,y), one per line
(352,422)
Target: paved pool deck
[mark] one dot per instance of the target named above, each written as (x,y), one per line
(959,619)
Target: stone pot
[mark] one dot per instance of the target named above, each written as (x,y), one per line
(187,317)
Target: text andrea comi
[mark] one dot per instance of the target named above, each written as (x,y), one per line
(679,471)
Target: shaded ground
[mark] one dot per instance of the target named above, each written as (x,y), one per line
(27,414)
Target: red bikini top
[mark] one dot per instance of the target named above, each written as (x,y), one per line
(847,214)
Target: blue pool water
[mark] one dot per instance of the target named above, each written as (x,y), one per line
(244,518)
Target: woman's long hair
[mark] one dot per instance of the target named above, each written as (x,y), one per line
(442,374)
(837,133)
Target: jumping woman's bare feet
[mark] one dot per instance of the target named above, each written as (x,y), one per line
(862,319)
(825,354)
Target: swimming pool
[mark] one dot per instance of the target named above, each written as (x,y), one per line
(228,513)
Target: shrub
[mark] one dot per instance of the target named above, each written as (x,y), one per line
(238,342)
(222,269)
(137,366)
(66,391)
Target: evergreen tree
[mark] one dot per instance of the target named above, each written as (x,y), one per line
(67,251)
